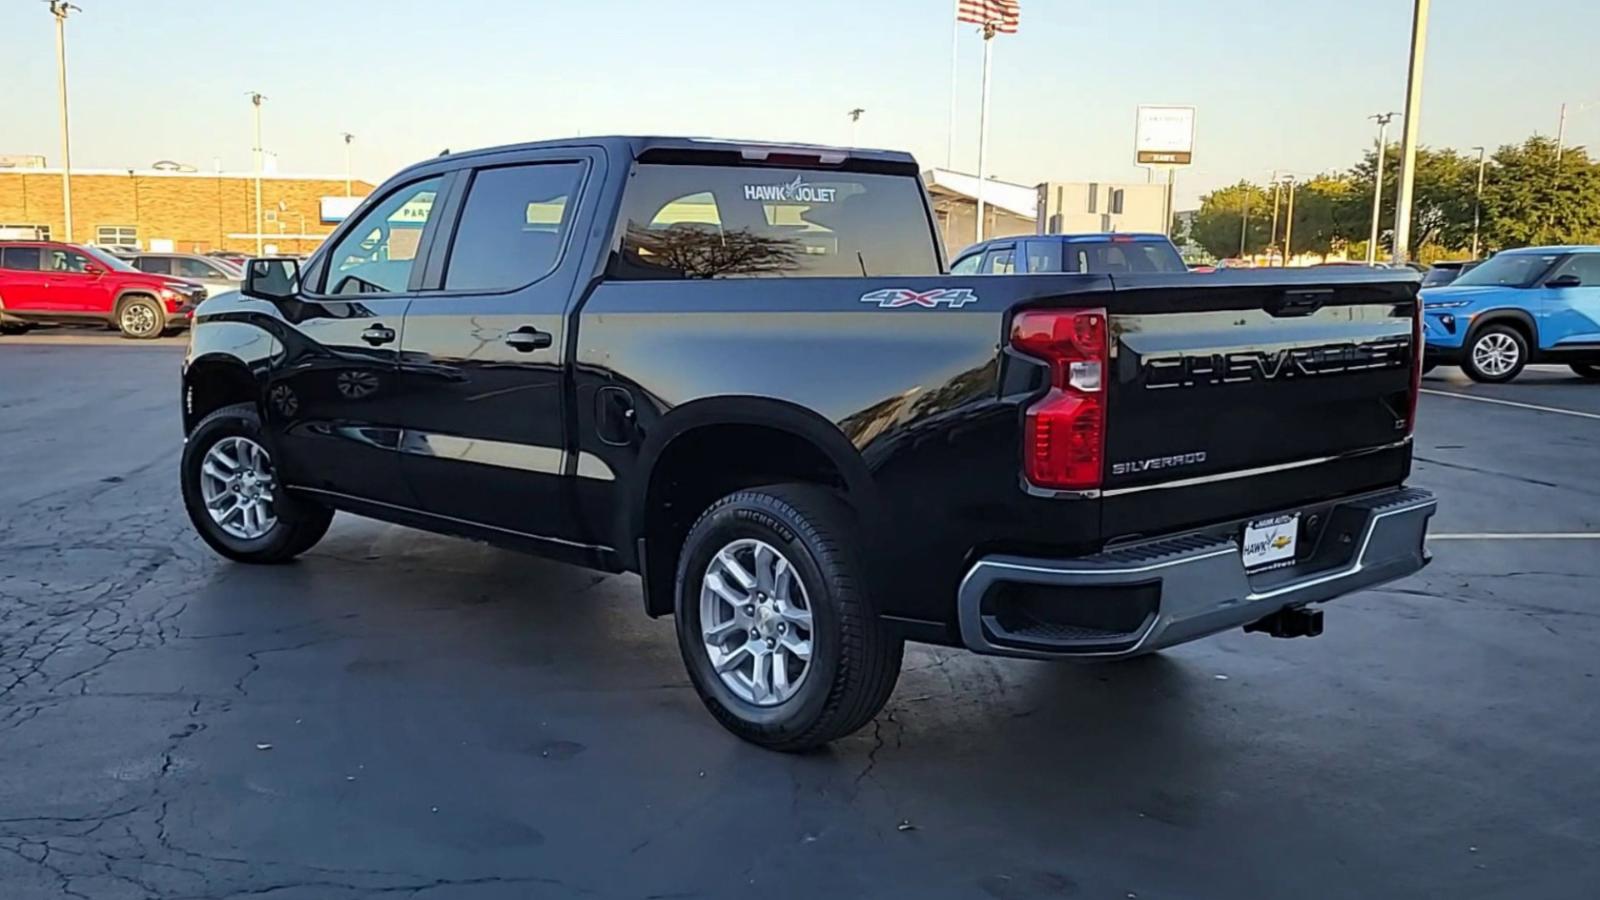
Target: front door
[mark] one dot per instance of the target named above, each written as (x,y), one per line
(482,357)
(75,283)
(1570,318)
(332,402)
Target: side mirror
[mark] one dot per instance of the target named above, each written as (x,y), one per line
(271,278)
(1564,281)
(93,269)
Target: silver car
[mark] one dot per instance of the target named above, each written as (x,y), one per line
(218,275)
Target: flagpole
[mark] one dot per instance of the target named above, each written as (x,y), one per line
(955,58)
(983,121)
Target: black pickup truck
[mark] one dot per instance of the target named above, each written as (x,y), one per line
(742,372)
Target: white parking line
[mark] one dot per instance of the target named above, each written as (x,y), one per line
(1533,406)
(1518,536)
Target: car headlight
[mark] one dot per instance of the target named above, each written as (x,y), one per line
(1446,304)
(170,294)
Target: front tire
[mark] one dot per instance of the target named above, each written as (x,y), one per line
(779,640)
(1495,355)
(1587,371)
(232,495)
(141,318)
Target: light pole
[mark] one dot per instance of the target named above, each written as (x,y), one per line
(855,123)
(60,9)
(1408,142)
(1277,192)
(255,100)
(1383,120)
(1477,203)
(1244,218)
(348,137)
(1288,225)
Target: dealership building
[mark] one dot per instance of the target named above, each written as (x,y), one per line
(175,209)
(1053,207)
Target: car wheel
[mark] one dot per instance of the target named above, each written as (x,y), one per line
(140,318)
(1587,371)
(779,640)
(233,497)
(1496,354)
(11,328)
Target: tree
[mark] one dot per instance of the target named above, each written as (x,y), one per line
(1441,210)
(1325,214)
(1528,200)
(1217,224)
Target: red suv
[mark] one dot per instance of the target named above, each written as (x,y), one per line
(45,281)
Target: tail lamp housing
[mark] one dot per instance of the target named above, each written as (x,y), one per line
(1064,432)
(1419,351)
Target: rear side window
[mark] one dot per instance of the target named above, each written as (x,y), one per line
(1044,256)
(753,222)
(25,259)
(195,268)
(1124,257)
(155,265)
(512,226)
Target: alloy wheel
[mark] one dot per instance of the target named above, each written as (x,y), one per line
(755,620)
(236,485)
(1495,354)
(136,318)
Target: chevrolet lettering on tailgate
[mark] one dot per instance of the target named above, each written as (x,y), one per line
(1186,370)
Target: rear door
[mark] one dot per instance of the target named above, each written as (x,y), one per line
(332,402)
(22,278)
(482,360)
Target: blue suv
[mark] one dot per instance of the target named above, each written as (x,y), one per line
(1534,305)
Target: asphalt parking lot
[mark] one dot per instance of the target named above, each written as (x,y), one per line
(401,714)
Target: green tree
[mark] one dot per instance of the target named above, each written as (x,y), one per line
(1225,212)
(1529,200)
(1441,211)
(1325,215)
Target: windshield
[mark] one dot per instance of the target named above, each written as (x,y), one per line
(1122,257)
(1509,270)
(1439,276)
(108,260)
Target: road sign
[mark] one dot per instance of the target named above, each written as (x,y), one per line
(1164,136)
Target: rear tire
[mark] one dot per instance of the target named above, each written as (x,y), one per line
(1495,355)
(852,659)
(141,318)
(1587,371)
(235,431)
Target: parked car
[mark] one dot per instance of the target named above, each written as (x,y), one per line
(229,256)
(1094,254)
(1533,305)
(216,274)
(48,281)
(742,372)
(1443,273)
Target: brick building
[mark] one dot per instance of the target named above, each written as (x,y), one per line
(182,211)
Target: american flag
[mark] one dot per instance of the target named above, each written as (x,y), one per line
(1001,15)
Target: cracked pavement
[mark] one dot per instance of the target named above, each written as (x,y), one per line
(402,715)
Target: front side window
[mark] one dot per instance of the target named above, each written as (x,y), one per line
(682,221)
(512,226)
(155,265)
(377,253)
(24,259)
(59,260)
(1000,262)
(1586,266)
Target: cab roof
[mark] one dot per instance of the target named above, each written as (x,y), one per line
(680,149)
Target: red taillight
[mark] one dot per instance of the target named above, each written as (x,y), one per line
(1064,434)
(1418,345)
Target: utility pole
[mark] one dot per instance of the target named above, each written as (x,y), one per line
(1277,191)
(348,137)
(1244,218)
(1288,226)
(983,120)
(1408,142)
(855,123)
(1561,136)
(60,9)
(1477,203)
(255,100)
(1383,120)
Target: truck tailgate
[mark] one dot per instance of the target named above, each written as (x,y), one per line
(1236,394)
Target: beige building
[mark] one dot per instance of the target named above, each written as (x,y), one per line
(171,210)
(1054,207)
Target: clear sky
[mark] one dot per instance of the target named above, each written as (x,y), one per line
(1279,84)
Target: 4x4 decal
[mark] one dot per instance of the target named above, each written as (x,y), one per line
(895,298)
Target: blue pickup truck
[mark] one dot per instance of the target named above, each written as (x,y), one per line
(1537,304)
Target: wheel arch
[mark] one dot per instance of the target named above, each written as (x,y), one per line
(1520,319)
(213,381)
(711,447)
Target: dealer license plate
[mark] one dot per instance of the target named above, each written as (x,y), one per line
(1268,541)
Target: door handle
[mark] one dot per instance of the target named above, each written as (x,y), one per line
(378,334)
(527,339)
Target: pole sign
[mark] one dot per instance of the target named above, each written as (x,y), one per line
(1164,136)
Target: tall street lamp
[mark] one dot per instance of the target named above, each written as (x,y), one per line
(60,9)
(1408,142)
(1477,203)
(1244,218)
(348,137)
(855,124)
(1288,225)
(1383,120)
(255,100)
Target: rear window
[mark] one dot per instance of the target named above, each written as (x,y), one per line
(25,259)
(1123,257)
(730,222)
